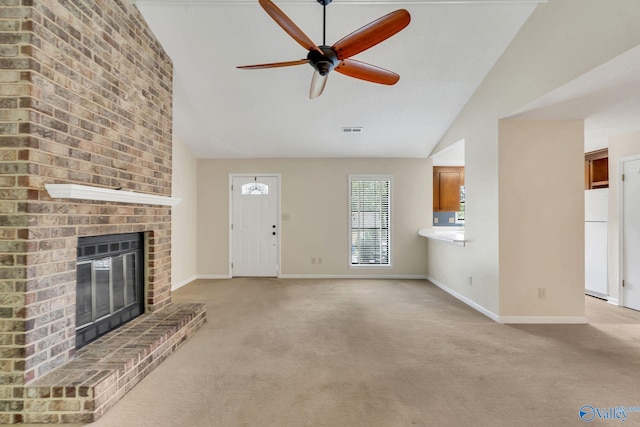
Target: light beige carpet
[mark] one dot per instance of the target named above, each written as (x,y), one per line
(381,353)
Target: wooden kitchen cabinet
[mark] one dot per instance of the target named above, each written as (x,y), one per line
(446,188)
(596,169)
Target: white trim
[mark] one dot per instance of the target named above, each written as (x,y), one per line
(543,319)
(620,275)
(183,283)
(613,301)
(212,276)
(86,192)
(317,276)
(229,229)
(353,276)
(620,231)
(465,300)
(596,295)
(509,319)
(278,177)
(199,277)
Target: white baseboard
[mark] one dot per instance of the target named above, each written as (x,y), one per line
(510,319)
(613,301)
(182,283)
(213,276)
(465,300)
(312,276)
(596,294)
(197,277)
(544,319)
(360,276)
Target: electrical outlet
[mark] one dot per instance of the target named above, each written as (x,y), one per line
(320,260)
(452,220)
(542,293)
(435,220)
(470,280)
(313,260)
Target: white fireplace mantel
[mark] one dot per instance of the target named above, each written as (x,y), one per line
(87,192)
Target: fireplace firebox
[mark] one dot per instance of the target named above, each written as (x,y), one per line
(110,284)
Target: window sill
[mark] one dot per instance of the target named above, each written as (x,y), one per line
(444,234)
(359,266)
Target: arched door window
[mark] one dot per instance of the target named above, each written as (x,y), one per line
(255,188)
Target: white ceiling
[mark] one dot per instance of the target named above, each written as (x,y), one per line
(223,112)
(453,155)
(605,97)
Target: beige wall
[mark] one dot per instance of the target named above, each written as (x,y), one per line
(314,196)
(541,195)
(619,147)
(562,40)
(183,216)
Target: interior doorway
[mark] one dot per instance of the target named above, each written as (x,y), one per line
(630,238)
(255,225)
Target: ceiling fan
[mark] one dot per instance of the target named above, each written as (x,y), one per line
(325,58)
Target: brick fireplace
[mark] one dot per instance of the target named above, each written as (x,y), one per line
(86,99)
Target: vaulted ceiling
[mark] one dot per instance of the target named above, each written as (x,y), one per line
(223,112)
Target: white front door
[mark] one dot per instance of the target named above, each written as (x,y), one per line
(631,233)
(254,226)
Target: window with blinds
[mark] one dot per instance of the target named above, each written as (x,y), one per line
(370,210)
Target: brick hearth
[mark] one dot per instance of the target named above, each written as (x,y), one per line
(103,371)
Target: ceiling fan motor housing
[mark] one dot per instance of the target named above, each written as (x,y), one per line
(323,63)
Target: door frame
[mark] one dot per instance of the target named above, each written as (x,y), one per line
(621,219)
(277,176)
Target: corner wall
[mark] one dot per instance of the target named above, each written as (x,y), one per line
(184,227)
(541,203)
(562,40)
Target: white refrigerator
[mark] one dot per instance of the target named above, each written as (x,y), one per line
(596,204)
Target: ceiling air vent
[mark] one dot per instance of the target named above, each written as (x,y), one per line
(352,130)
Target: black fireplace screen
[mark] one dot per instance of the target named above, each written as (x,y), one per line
(110,284)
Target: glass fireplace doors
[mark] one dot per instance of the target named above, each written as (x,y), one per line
(110,284)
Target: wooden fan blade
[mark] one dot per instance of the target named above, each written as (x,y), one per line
(274,64)
(363,71)
(318,82)
(372,34)
(288,25)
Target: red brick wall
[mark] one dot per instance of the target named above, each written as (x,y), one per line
(85,98)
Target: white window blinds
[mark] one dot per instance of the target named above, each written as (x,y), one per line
(370,208)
